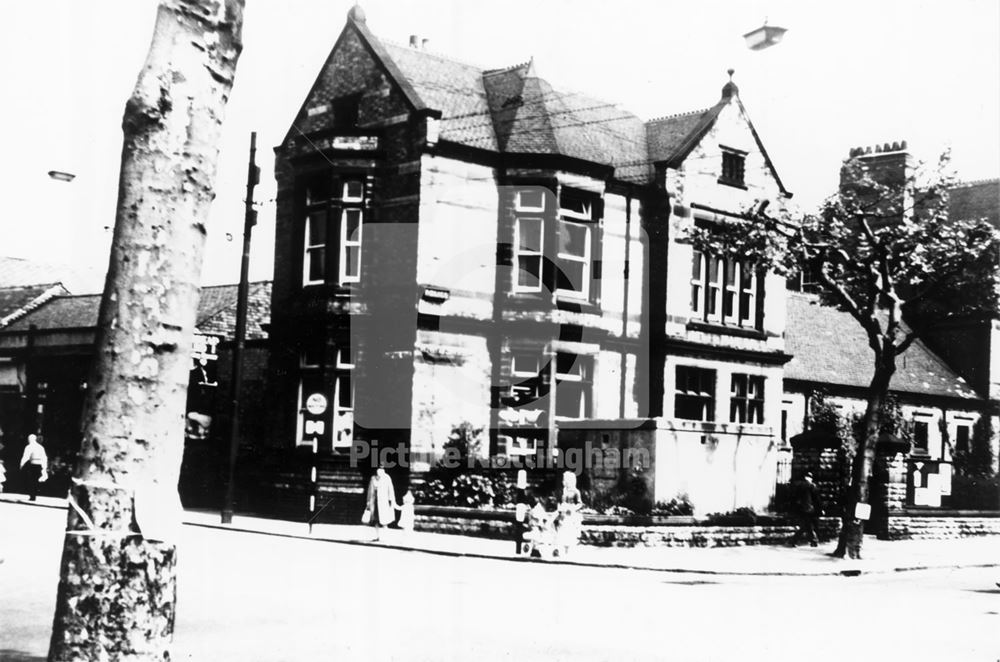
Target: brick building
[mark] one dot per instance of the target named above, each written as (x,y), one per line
(461,245)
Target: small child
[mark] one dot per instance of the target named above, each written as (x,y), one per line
(407,516)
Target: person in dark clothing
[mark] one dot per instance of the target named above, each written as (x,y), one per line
(807,508)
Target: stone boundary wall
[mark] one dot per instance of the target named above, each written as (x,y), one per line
(500,525)
(941,527)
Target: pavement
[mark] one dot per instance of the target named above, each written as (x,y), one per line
(880,556)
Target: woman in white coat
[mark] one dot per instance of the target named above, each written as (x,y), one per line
(381,507)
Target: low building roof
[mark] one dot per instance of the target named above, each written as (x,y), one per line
(216,311)
(829,346)
(15,302)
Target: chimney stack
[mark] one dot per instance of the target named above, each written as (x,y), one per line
(423,44)
(414,41)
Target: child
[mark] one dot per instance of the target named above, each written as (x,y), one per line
(407,516)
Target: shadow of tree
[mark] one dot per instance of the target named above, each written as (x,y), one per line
(8,655)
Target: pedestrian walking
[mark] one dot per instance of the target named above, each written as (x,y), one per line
(807,508)
(34,465)
(381,507)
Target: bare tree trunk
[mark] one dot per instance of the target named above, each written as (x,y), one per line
(117,591)
(852,530)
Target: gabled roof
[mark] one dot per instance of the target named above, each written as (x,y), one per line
(514,111)
(971,201)
(828,346)
(216,311)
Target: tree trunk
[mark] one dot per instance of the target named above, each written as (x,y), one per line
(852,529)
(116,598)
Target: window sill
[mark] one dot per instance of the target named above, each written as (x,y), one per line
(545,301)
(733,183)
(738,331)
(332,289)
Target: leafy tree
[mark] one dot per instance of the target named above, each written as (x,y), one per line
(117,589)
(877,250)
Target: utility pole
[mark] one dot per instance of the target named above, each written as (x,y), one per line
(236,383)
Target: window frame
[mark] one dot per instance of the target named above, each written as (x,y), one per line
(745,401)
(711,290)
(347,244)
(585,261)
(582,376)
(707,398)
(733,167)
(309,249)
(526,254)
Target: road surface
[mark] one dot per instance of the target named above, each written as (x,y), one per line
(257,598)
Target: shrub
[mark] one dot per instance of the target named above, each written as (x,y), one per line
(679,506)
(472,491)
(504,491)
(467,491)
(740,517)
(433,492)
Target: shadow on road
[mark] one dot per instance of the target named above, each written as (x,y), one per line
(7,655)
(690,582)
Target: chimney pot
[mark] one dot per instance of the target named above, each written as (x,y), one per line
(423,43)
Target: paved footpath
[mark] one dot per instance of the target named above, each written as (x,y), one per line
(879,556)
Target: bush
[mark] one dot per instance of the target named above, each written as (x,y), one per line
(434,493)
(740,517)
(504,491)
(467,491)
(679,506)
(472,491)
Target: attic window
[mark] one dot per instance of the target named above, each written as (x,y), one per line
(345,112)
(733,162)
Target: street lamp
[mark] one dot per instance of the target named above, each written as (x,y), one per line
(61,176)
(764,37)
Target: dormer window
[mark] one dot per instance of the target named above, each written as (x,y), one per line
(733,163)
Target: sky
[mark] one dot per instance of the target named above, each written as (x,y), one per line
(848,73)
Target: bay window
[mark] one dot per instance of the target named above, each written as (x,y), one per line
(332,237)
(555,243)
